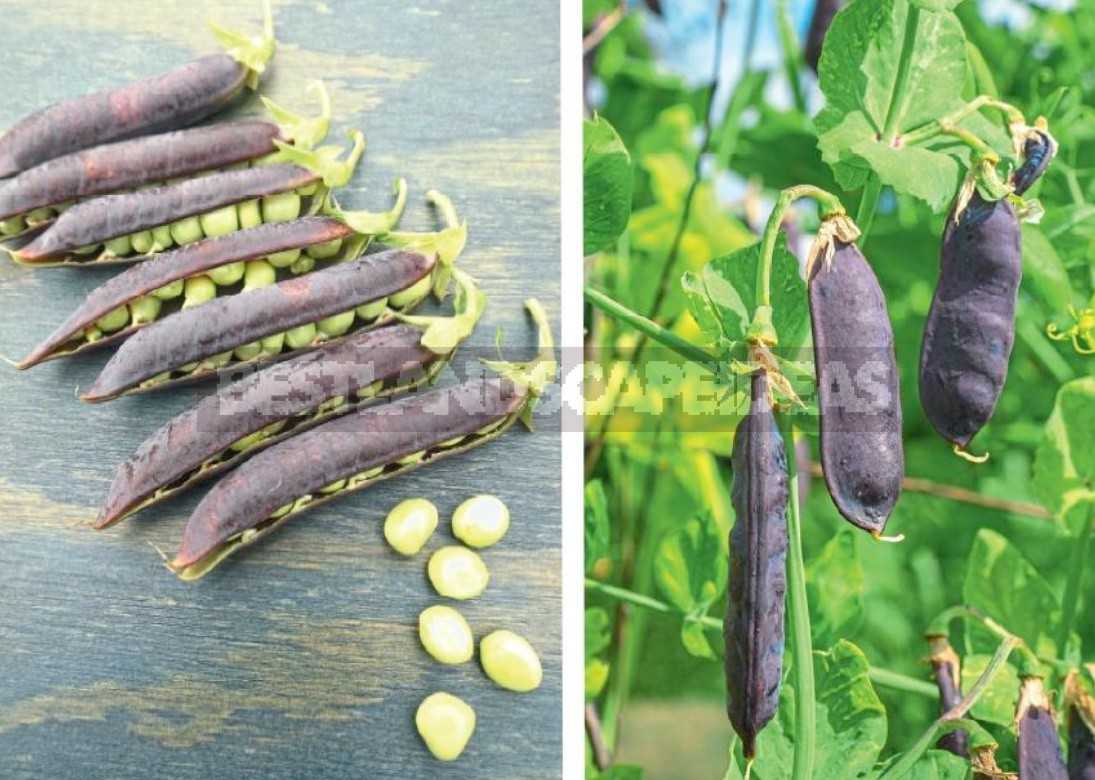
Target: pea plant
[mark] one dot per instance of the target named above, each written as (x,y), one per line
(840,408)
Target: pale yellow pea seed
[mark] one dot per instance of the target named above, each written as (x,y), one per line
(458,573)
(410,525)
(481,521)
(445,724)
(510,661)
(446,635)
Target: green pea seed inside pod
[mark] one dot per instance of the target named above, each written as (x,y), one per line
(418,290)
(161,238)
(410,525)
(481,521)
(170,291)
(198,290)
(145,309)
(115,320)
(258,274)
(119,247)
(186,231)
(250,214)
(326,250)
(303,265)
(281,207)
(283,259)
(511,661)
(142,242)
(370,311)
(458,573)
(446,635)
(445,724)
(220,222)
(227,275)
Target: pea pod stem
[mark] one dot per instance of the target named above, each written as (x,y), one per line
(908,759)
(881,677)
(761,330)
(648,327)
(934,128)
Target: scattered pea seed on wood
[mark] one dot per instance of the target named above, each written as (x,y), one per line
(481,521)
(446,724)
(511,661)
(458,573)
(446,635)
(410,525)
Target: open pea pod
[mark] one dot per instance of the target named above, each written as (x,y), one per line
(199,272)
(224,429)
(264,324)
(31,201)
(356,450)
(129,226)
(180,97)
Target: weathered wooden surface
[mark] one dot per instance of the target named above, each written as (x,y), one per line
(298,658)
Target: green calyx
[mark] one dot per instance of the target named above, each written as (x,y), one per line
(253,52)
(305,132)
(536,374)
(368,223)
(442,335)
(324,161)
(447,243)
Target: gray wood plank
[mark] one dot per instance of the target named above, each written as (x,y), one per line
(298,658)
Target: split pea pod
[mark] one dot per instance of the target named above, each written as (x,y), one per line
(179,97)
(53,186)
(356,450)
(947,671)
(970,328)
(862,455)
(757,577)
(225,428)
(200,341)
(1038,746)
(168,281)
(187,208)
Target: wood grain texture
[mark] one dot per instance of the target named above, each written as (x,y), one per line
(300,657)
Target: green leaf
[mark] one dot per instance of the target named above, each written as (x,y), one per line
(666,151)
(607,180)
(834,588)
(1002,583)
(997,705)
(858,75)
(1064,467)
(723,296)
(851,722)
(690,566)
(938,765)
(1043,268)
(597,633)
(597,532)
(695,640)
(595,678)
(622,772)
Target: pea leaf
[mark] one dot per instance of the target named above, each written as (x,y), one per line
(859,72)
(596,631)
(1043,268)
(851,722)
(1002,583)
(695,640)
(834,586)
(690,566)
(607,180)
(997,705)
(938,765)
(595,677)
(723,296)
(1064,467)
(596,526)
(622,772)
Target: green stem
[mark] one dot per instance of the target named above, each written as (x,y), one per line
(829,204)
(868,204)
(1072,586)
(1030,665)
(900,98)
(664,336)
(910,757)
(932,129)
(802,651)
(881,677)
(970,139)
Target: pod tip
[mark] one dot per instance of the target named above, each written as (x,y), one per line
(969,457)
